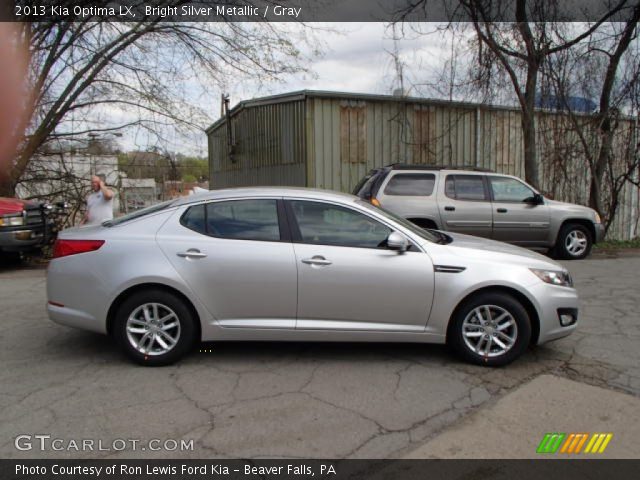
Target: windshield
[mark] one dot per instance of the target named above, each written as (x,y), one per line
(138,214)
(430,235)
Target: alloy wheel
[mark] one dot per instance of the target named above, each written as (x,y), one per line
(576,242)
(153,329)
(489,330)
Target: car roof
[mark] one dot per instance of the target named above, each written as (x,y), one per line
(275,192)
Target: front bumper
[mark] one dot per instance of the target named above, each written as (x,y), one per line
(552,301)
(21,239)
(599,228)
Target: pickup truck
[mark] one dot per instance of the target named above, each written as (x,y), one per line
(24,226)
(485,204)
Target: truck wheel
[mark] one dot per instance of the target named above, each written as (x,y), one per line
(10,258)
(574,242)
(154,327)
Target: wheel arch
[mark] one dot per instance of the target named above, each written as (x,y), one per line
(518,295)
(148,286)
(585,222)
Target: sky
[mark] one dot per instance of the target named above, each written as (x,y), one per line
(356,57)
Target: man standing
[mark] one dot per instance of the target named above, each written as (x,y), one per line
(99,203)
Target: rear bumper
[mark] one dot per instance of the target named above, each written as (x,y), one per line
(70,317)
(599,228)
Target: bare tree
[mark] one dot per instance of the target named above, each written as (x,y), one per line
(92,77)
(512,53)
(519,49)
(603,68)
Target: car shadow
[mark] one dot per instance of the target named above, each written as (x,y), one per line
(102,348)
(321,351)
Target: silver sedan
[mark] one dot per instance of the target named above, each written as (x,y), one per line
(301,265)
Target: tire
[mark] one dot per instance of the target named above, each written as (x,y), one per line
(132,324)
(465,318)
(574,242)
(10,258)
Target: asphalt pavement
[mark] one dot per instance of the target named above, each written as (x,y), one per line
(274,400)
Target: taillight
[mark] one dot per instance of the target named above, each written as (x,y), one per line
(64,248)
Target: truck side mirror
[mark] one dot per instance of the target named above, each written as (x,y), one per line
(536,199)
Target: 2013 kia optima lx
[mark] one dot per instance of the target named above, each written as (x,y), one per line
(301,265)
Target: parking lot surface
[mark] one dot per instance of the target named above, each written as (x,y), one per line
(275,400)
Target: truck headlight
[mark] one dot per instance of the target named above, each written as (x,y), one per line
(597,218)
(554,277)
(11,221)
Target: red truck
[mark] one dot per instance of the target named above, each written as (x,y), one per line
(25,226)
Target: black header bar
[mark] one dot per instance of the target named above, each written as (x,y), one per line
(309,10)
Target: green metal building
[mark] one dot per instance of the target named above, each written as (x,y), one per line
(331,139)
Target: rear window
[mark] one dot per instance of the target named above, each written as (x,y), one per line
(411,184)
(138,214)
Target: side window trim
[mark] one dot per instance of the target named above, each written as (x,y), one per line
(283,223)
(294,228)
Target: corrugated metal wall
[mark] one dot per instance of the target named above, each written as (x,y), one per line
(350,137)
(331,142)
(268,147)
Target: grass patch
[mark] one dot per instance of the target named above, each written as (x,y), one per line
(635,243)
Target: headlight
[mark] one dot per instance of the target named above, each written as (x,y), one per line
(597,220)
(554,277)
(11,221)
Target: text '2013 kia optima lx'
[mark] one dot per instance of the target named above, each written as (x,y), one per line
(291,264)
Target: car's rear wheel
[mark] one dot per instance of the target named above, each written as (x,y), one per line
(154,327)
(491,328)
(574,242)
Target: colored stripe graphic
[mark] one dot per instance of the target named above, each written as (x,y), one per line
(598,443)
(550,442)
(574,443)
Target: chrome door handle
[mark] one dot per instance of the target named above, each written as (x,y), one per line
(192,253)
(317,260)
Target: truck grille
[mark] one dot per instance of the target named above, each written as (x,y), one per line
(34,216)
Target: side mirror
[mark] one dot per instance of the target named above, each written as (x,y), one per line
(536,199)
(397,242)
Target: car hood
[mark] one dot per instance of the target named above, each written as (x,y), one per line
(468,245)
(13,205)
(571,207)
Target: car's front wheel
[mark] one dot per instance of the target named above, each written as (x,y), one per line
(491,328)
(154,327)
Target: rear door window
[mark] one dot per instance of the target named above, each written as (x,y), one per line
(235,219)
(411,184)
(466,187)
